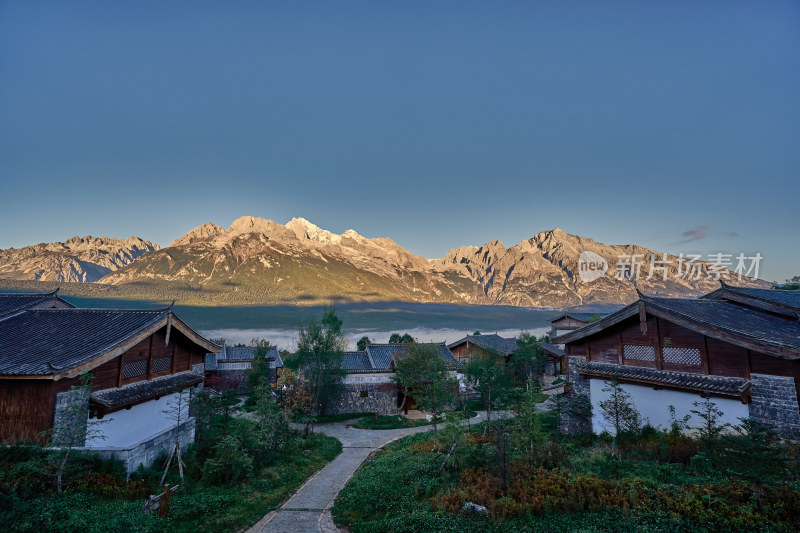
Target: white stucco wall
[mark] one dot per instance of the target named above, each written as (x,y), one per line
(355,379)
(127,427)
(653,405)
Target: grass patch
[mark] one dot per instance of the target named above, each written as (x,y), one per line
(575,484)
(326,419)
(104,502)
(390,422)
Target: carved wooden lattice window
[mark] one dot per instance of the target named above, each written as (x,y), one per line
(639,353)
(162,364)
(135,368)
(682,356)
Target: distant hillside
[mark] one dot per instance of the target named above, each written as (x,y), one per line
(79,259)
(257,261)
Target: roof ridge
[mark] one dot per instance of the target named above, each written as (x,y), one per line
(51,293)
(99,309)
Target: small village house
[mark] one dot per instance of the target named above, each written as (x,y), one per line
(567,322)
(483,346)
(139,359)
(739,346)
(227,370)
(368,385)
(494,345)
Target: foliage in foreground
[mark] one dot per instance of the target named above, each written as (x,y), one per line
(647,481)
(240,469)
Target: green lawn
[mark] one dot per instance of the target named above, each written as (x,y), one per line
(389,422)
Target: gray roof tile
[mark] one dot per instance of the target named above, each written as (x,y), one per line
(382,355)
(11,303)
(728,386)
(49,341)
(144,390)
(491,342)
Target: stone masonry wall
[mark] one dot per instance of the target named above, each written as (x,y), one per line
(381,398)
(69,424)
(576,385)
(773,400)
(146,452)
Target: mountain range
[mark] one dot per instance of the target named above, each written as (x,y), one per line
(79,259)
(257,261)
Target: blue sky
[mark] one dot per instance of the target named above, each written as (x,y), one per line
(674,125)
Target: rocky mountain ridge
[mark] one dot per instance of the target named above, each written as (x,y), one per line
(260,261)
(79,259)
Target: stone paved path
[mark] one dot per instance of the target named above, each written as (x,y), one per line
(309,510)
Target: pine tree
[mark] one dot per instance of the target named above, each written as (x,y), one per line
(618,409)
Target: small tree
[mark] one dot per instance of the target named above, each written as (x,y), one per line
(677,426)
(178,412)
(204,408)
(559,405)
(260,371)
(319,350)
(489,375)
(580,408)
(502,456)
(423,371)
(361,345)
(272,430)
(405,338)
(228,463)
(618,409)
(454,438)
(294,397)
(756,455)
(528,428)
(711,429)
(529,358)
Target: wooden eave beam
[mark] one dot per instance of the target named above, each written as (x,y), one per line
(650,383)
(777,351)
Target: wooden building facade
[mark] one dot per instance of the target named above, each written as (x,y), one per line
(133,357)
(719,346)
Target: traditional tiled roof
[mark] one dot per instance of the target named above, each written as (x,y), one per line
(775,300)
(739,321)
(555,351)
(382,355)
(727,386)
(582,317)
(248,353)
(49,342)
(733,322)
(355,361)
(491,342)
(239,353)
(12,303)
(145,390)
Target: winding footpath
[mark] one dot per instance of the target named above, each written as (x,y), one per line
(309,509)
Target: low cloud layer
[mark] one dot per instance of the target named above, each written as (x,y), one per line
(286,339)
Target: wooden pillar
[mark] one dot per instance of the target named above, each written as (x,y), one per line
(121,369)
(747,367)
(619,346)
(704,355)
(659,354)
(150,359)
